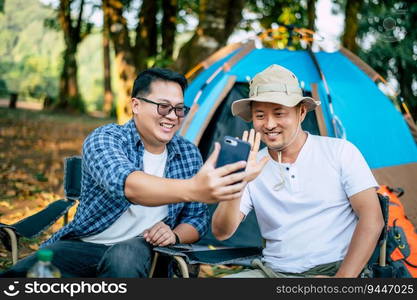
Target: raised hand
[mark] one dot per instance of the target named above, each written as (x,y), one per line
(253,167)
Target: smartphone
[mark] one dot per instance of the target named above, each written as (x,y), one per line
(232,150)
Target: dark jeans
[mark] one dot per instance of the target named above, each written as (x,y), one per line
(75,258)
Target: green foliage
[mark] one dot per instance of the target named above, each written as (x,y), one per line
(90,71)
(388,35)
(26,65)
(4,91)
(273,11)
(31,56)
(159,60)
(284,13)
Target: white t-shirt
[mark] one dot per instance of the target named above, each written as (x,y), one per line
(310,220)
(136,218)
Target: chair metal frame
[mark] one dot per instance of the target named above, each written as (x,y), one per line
(72,193)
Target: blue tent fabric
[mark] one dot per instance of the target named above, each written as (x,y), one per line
(199,81)
(369,118)
(209,97)
(257,60)
(371,121)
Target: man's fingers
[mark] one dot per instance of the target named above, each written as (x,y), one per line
(230,168)
(165,236)
(245,136)
(231,197)
(153,230)
(214,155)
(157,235)
(257,142)
(232,189)
(165,243)
(251,138)
(233,178)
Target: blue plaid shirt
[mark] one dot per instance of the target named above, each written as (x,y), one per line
(110,154)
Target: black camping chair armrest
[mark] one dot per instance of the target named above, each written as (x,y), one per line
(35,224)
(222,256)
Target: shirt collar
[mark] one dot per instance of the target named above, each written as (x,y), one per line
(172,147)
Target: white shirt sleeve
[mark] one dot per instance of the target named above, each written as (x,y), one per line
(356,174)
(246,202)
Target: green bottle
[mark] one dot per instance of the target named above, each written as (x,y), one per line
(44,268)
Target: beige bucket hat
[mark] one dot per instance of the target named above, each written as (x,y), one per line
(275,84)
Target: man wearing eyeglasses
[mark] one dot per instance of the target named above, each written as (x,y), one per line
(314,197)
(142,186)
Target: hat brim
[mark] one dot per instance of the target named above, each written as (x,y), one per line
(242,107)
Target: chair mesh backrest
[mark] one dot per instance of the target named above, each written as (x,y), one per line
(246,235)
(72,177)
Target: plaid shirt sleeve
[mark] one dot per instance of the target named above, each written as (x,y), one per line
(196,213)
(108,164)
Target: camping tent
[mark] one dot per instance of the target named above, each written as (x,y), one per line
(353,107)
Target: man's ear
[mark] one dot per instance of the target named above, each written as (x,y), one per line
(303,112)
(135,105)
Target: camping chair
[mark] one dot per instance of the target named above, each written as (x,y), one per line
(377,265)
(229,254)
(240,250)
(34,225)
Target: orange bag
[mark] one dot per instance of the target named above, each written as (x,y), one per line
(401,238)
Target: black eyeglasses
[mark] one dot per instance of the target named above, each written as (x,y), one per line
(165,109)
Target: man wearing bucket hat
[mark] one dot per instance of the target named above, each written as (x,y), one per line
(314,197)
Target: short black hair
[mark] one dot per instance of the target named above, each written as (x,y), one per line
(142,84)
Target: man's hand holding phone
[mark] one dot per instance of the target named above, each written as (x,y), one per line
(213,185)
(219,180)
(227,215)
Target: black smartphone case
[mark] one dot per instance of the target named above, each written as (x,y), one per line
(232,150)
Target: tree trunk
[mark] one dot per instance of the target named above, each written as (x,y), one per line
(146,33)
(13,100)
(69,97)
(217,20)
(125,63)
(311,14)
(169,26)
(405,81)
(353,8)
(108,94)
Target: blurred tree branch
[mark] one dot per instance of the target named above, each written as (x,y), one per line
(352,10)
(217,20)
